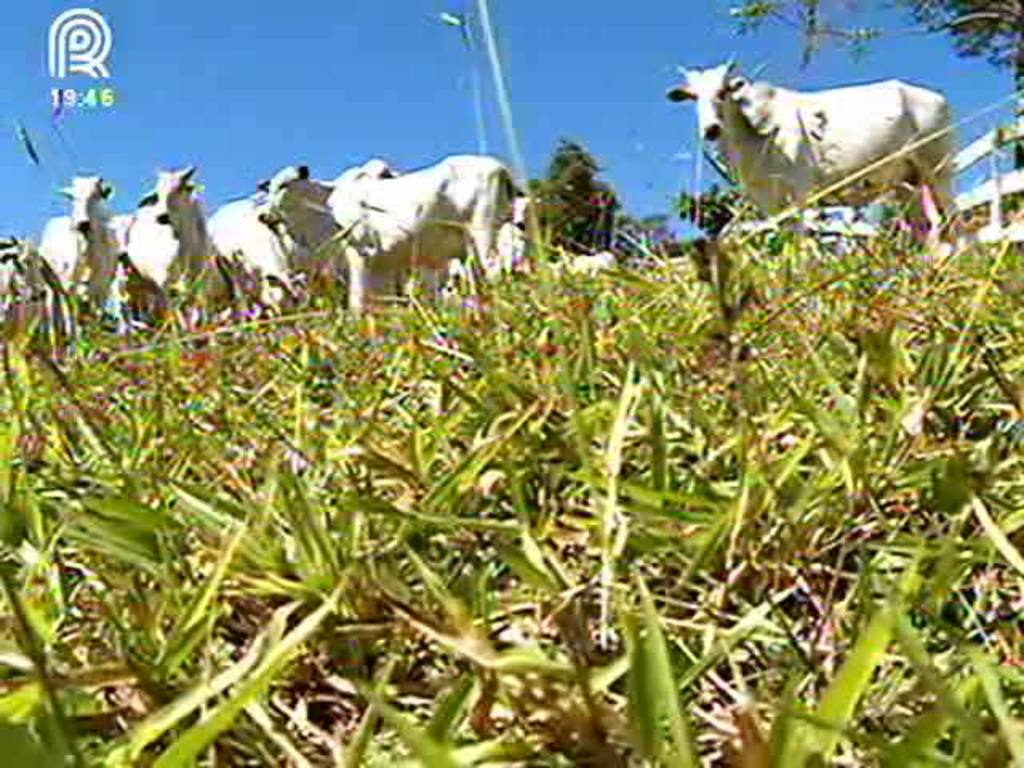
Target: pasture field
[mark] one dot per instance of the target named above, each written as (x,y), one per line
(770,520)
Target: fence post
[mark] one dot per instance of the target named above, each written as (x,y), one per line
(996,205)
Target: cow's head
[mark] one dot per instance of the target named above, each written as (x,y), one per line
(11,250)
(87,195)
(376,168)
(172,191)
(278,192)
(373,169)
(268,215)
(283,179)
(717,89)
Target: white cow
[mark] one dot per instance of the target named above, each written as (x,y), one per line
(511,251)
(297,204)
(81,249)
(168,244)
(592,264)
(374,168)
(31,292)
(20,276)
(421,221)
(10,252)
(259,253)
(785,144)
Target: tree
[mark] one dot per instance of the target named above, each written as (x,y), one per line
(574,205)
(643,236)
(712,210)
(993,29)
(816,21)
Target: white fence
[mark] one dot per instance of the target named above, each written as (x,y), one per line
(991,146)
(829,223)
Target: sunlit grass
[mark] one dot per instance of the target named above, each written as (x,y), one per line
(600,521)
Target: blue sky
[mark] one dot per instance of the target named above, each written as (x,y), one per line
(242,88)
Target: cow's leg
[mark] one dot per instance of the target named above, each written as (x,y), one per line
(458,274)
(383,283)
(66,330)
(156,302)
(930,197)
(927,219)
(930,211)
(406,281)
(481,239)
(933,164)
(55,327)
(931,205)
(430,280)
(484,239)
(281,294)
(113,306)
(912,222)
(942,187)
(454,280)
(322,281)
(358,280)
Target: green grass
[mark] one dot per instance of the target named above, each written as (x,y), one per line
(611,521)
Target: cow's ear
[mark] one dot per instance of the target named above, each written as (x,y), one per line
(106,191)
(681,93)
(67,192)
(757,103)
(736,84)
(264,186)
(303,171)
(187,174)
(148,200)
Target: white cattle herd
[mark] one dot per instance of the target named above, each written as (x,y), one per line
(371,227)
(375,227)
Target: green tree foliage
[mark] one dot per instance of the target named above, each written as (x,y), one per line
(710,211)
(817,21)
(993,29)
(645,236)
(574,204)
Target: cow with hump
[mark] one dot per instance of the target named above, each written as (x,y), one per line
(787,145)
(169,244)
(423,221)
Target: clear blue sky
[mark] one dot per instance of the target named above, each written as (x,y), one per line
(242,88)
